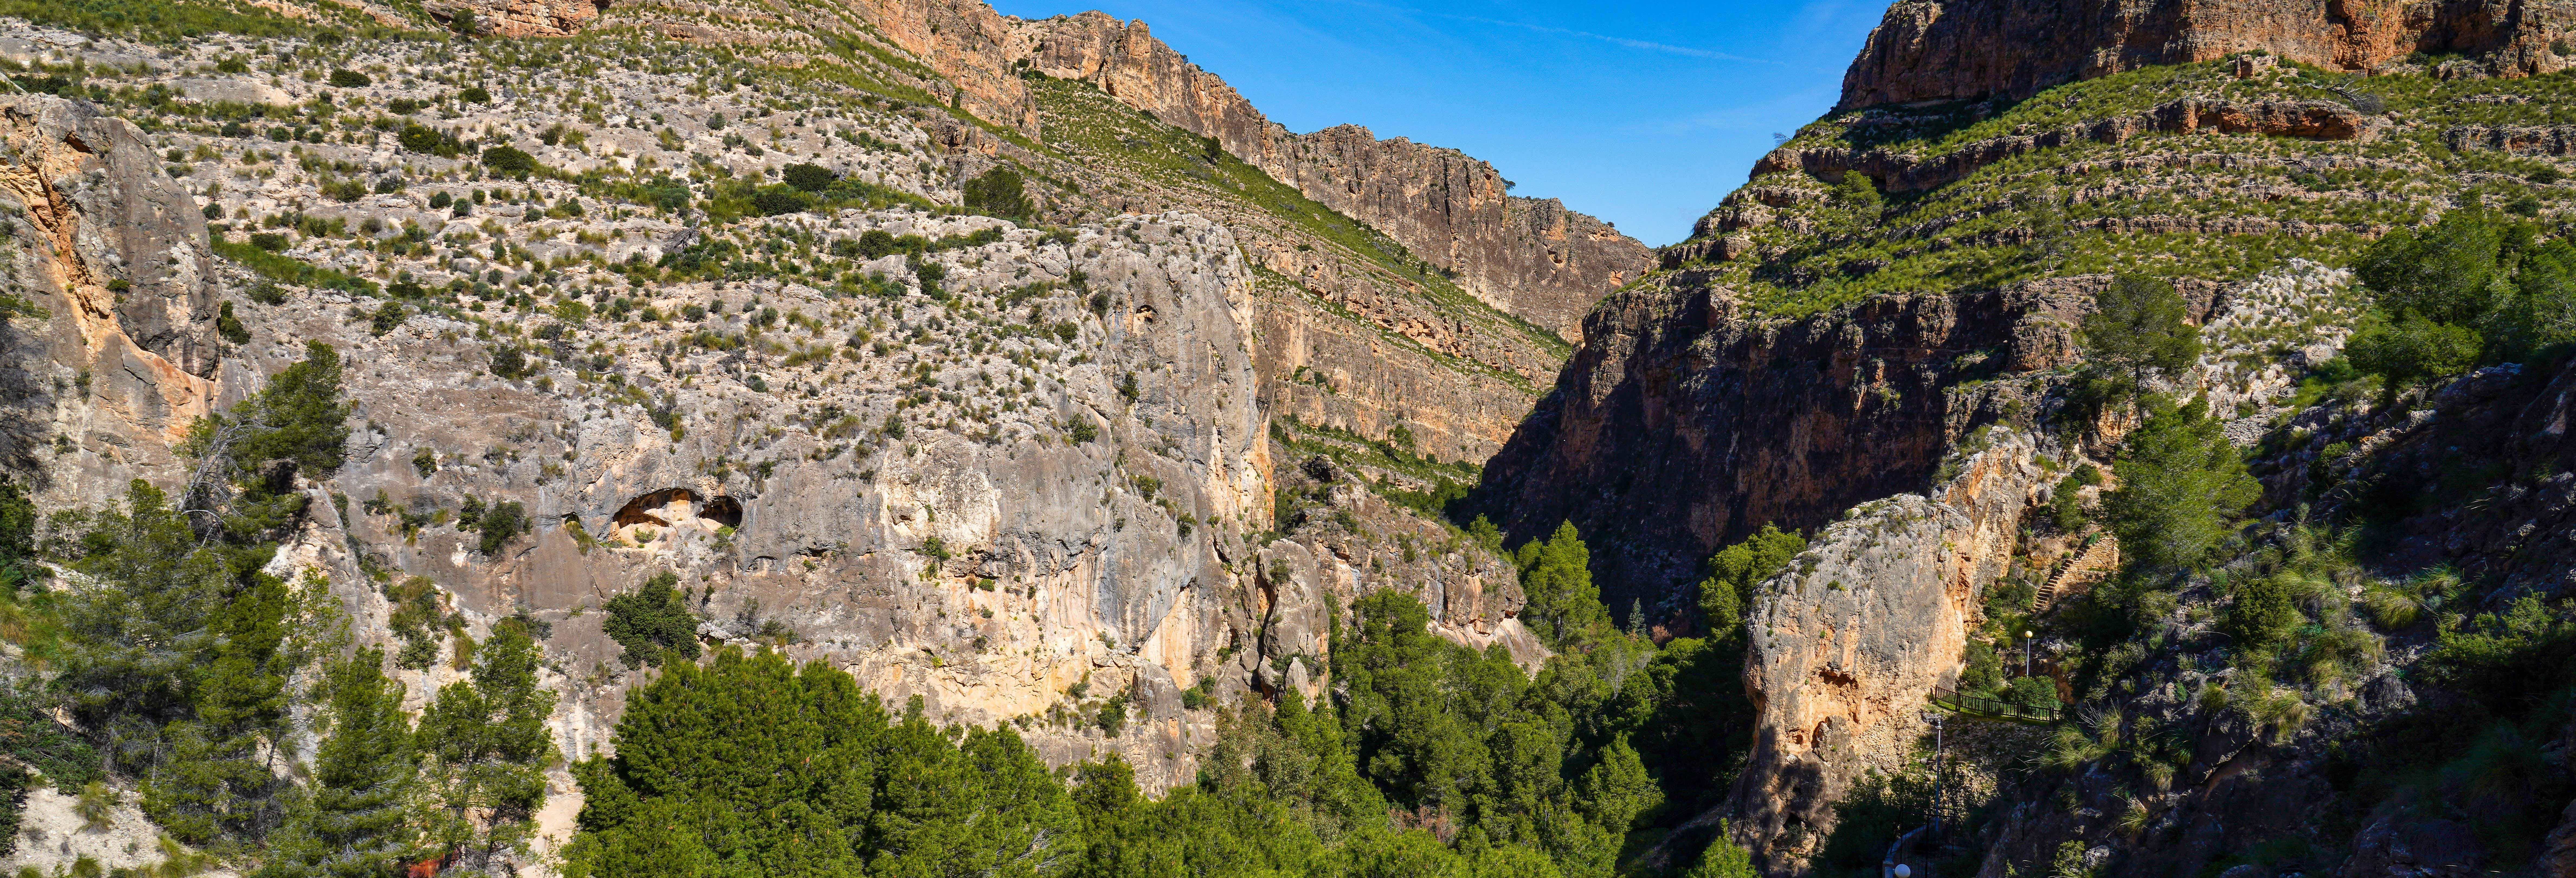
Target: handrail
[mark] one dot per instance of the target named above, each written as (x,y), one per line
(1982,706)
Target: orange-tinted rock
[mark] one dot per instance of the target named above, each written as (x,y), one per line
(521,18)
(1930,50)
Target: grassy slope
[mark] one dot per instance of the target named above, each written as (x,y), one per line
(1948,237)
(1084,121)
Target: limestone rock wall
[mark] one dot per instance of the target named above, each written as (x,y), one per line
(1681,400)
(520,18)
(115,254)
(1931,50)
(1127,62)
(986,567)
(1845,647)
(1528,257)
(973,49)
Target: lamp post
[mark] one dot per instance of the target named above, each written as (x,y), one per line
(1937,774)
(2025,653)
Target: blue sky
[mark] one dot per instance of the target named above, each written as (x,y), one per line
(1641,113)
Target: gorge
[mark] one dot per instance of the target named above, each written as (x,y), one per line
(607,438)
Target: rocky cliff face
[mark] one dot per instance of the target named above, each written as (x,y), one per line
(1936,50)
(1128,63)
(1846,646)
(1684,401)
(519,18)
(1529,257)
(1441,326)
(969,551)
(1043,481)
(116,254)
(974,50)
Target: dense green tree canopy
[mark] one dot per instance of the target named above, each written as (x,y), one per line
(1556,578)
(2139,325)
(2181,484)
(1736,569)
(653,624)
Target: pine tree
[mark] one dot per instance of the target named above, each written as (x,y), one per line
(357,820)
(701,751)
(2181,486)
(1556,575)
(485,746)
(222,777)
(1735,570)
(1723,859)
(2137,326)
(653,624)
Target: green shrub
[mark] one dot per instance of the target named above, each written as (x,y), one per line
(474,94)
(776,200)
(510,161)
(345,78)
(289,269)
(1724,859)
(2034,692)
(930,274)
(424,139)
(504,521)
(1735,570)
(2512,660)
(2543,311)
(230,326)
(999,193)
(2412,350)
(2263,613)
(808,177)
(2442,273)
(510,363)
(2066,503)
(386,317)
(653,624)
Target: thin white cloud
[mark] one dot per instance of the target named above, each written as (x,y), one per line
(1643,45)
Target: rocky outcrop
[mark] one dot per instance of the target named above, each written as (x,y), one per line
(1933,50)
(1845,647)
(519,18)
(1128,63)
(2556,140)
(1683,400)
(1528,257)
(1317,574)
(1907,171)
(1345,367)
(974,50)
(969,547)
(115,254)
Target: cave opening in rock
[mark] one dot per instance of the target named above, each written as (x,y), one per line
(723,510)
(658,508)
(677,508)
